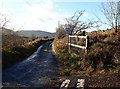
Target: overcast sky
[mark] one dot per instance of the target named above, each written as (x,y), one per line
(45,14)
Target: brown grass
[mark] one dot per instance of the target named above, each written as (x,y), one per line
(103,54)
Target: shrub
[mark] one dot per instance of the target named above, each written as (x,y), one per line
(60,34)
(8,57)
(60,46)
(101,55)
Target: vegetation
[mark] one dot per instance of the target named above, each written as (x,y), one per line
(102,57)
(103,54)
(111,13)
(77,25)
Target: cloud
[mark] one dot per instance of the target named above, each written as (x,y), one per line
(42,15)
(39,16)
(45,11)
(36,15)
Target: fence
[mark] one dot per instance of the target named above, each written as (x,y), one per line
(78,46)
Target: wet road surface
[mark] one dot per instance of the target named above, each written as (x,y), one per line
(38,70)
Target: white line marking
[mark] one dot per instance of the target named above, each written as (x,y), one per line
(80,83)
(65,83)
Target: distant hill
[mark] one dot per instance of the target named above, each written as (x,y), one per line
(36,33)
(6,31)
(25,33)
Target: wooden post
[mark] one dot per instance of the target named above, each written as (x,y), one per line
(87,41)
(69,43)
(76,39)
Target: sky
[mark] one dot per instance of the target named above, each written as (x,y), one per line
(45,14)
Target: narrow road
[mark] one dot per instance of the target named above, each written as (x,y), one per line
(38,70)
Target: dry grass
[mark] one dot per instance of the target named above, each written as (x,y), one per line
(60,45)
(103,54)
(9,41)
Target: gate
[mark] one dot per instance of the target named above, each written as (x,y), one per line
(78,46)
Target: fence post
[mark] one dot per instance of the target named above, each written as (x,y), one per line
(87,42)
(69,43)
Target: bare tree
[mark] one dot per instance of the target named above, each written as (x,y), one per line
(111,13)
(3,21)
(77,25)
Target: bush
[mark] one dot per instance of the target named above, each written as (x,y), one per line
(60,46)
(104,53)
(19,49)
(60,34)
(8,57)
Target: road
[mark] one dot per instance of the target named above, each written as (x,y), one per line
(38,70)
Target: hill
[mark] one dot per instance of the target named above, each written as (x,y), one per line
(24,33)
(11,39)
(31,33)
(7,31)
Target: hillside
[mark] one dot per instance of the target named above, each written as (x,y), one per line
(10,39)
(6,31)
(34,33)
(102,57)
(24,33)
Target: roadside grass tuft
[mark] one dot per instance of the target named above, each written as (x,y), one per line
(66,72)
